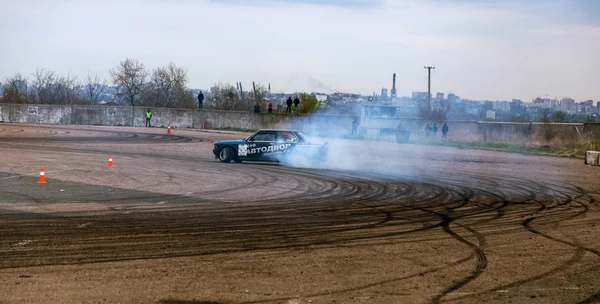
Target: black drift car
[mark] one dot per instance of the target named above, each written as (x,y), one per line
(271,145)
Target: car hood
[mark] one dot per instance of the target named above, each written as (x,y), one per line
(231,142)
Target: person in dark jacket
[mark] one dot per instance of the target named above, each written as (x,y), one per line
(148,117)
(256,108)
(444,131)
(296,103)
(354,126)
(289,105)
(427,130)
(200,100)
(435,129)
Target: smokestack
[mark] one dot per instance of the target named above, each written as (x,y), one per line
(393,93)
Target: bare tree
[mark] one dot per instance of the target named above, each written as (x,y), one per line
(67,90)
(42,86)
(168,88)
(49,88)
(16,90)
(438,113)
(226,97)
(130,77)
(548,132)
(94,87)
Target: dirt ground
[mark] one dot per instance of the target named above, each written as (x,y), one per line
(378,223)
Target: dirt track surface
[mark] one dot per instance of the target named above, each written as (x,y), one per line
(379,223)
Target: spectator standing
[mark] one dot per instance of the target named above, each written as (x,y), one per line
(427,130)
(435,130)
(445,131)
(200,100)
(289,105)
(354,126)
(296,104)
(148,117)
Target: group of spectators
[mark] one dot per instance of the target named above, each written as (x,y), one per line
(431,131)
(288,110)
(295,103)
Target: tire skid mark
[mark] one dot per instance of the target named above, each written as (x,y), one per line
(320,209)
(578,254)
(477,250)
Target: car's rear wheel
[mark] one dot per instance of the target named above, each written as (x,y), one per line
(226,155)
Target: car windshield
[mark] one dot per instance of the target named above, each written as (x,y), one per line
(251,135)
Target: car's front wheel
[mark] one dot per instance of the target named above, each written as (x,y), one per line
(226,155)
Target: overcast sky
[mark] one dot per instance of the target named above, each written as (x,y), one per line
(482,49)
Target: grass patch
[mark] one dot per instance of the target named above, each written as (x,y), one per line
(543,150)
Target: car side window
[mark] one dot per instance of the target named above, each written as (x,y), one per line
(264,136)
(287,137)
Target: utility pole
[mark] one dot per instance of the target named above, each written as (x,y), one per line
(241,91)
(429,68)
(255,96)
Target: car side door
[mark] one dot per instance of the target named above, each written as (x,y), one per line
(260,145)
(286,141)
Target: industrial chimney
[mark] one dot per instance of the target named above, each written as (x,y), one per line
(393,93)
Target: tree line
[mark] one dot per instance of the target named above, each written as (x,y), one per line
(133,84)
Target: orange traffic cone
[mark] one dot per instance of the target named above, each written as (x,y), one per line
(169,129)
(42,177)
(110,165)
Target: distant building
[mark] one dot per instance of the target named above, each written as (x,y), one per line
(546,103)
(490,114)
(503,106)
(384,92)
(568,105)
(419,95)
(452,98)
(472,111)
(587,106)
(439,96)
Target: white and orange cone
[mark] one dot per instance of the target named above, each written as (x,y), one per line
(169,129)
(110,164)
(42,177)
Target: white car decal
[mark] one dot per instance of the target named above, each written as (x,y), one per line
(242,150)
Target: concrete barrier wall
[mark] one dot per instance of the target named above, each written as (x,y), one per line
(592,158)
(504,132)
(4,113)
(104,116)
(226,119)
(526,132)
(40,114)
(161,117)
(321,125)
(592,128)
